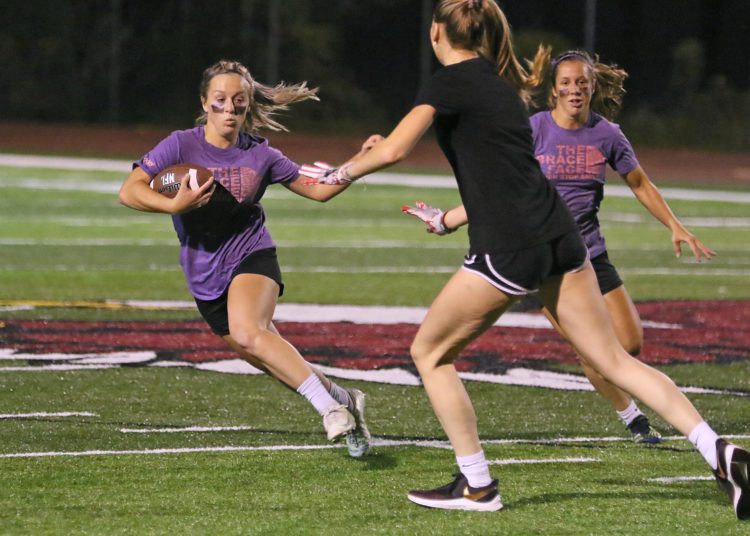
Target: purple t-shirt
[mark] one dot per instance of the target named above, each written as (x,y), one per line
(214,239)
(575,161)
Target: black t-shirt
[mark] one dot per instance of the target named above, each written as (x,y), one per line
(483,128)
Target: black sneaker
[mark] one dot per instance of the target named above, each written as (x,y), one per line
(643,432)
(458,495)
(732,476)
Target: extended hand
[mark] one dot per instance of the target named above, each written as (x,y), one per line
(431,216)
(699,249)
(323,173)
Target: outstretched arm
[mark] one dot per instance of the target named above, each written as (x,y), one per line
(387,152)
(437,221)
(398,144)
(650,197)
(324,192)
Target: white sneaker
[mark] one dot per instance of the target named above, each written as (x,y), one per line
(338,421)
(358,440)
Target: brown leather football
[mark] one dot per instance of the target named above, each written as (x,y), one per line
(167,181)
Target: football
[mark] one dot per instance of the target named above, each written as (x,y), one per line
(167,181)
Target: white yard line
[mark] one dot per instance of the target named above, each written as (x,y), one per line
(703,271)
(375,443)
(693,272)
(172,241)
(628,217)
(521,461)
(677,479)
(57,454)
(56,368)
(89,242)
(186,429)
(65,162)
(604,439)
(308,244)
(43,414)
(393,179)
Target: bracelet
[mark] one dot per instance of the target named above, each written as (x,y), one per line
(446,229)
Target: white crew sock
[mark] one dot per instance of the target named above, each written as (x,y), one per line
(314,391)
(476,469)
(341,395)
(704,438)
(629,414)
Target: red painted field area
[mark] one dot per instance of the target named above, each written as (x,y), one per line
(706,331)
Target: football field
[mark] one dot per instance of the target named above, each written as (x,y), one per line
(121,414)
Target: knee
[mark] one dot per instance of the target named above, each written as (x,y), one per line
(421,355)
(417,353)
(249,338)
(428,357)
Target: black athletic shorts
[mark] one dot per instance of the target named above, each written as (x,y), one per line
(521,272)
(263,262)
(606,273)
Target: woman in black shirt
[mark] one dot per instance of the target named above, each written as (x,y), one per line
(522,240)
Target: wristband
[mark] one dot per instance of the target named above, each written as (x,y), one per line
(446,229)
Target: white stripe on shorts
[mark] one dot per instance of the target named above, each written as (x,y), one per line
(498,285)
(583,264)
(505,285)
(501,278)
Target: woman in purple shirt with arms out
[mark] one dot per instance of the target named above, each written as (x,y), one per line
(574,142)
(226,252)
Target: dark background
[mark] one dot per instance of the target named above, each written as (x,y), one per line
(138,62)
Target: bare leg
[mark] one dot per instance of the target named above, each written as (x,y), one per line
(627,326)
(629,331)
(251,304)
(576,303)
(257,363)
(625,319)
(464,309)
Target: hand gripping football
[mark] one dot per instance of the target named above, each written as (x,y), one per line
(167,181)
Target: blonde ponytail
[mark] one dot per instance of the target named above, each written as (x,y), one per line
(265,101)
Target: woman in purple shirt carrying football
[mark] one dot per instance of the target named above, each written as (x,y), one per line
(226,252)
(574,141)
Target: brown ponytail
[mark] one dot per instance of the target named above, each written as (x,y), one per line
(481,26)
(609,79)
